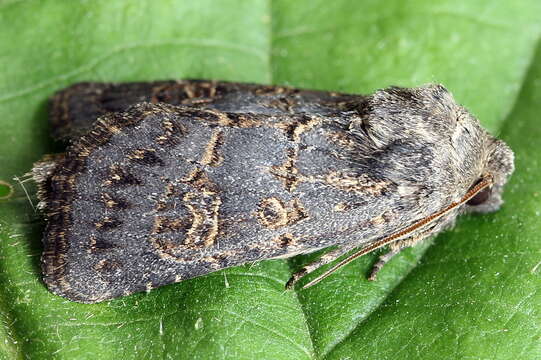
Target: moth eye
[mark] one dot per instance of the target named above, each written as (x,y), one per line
(481,197)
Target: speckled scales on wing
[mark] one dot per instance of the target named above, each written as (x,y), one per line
(73,110)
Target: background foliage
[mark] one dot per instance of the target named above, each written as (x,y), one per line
(473,295)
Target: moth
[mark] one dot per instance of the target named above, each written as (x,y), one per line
(169,180)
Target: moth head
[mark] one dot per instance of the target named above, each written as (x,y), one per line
(463,154)
(477,154)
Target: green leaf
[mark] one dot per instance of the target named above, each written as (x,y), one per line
(474,292)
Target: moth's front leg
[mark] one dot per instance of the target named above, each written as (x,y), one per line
(395,248)
(322,260)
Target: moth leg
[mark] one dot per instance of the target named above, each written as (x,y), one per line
(395,248)
(322,260)
(384,259)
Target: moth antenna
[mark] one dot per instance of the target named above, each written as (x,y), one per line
(16,178)
(486,182)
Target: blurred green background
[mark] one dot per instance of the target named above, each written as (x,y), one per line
(472,294)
